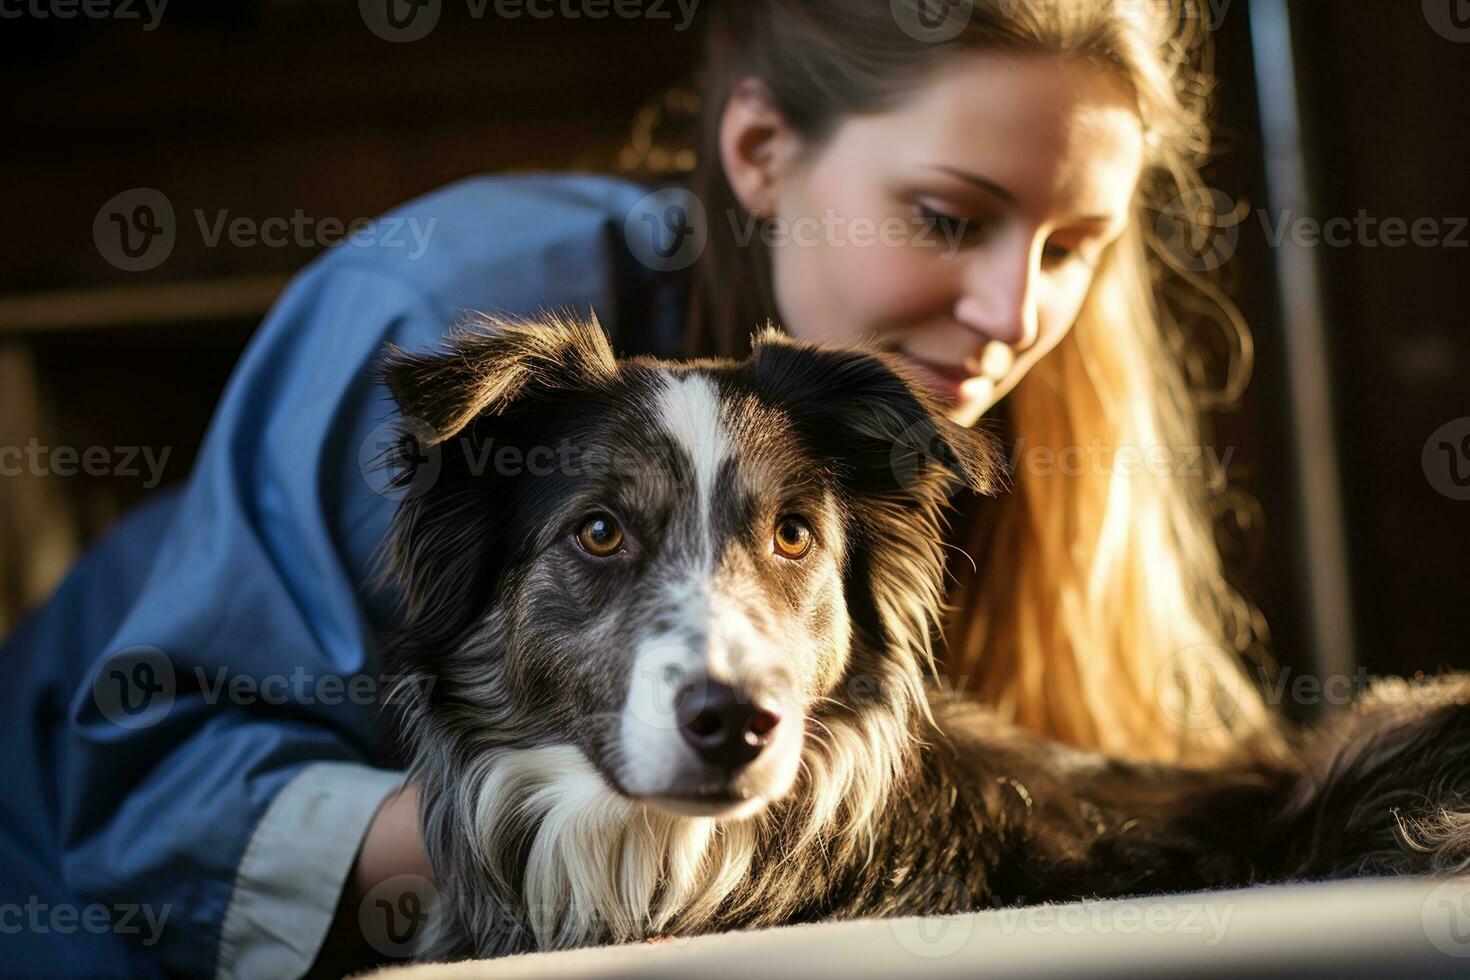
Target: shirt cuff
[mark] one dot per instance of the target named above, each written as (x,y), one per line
(291,877)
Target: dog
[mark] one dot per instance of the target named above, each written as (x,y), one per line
(679,621)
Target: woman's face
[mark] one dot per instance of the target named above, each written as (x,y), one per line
(961,229)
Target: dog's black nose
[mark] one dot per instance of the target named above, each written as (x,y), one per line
(726,729)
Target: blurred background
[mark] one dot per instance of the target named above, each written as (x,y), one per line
(1348,519)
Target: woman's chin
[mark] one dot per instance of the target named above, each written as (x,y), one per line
(973,399)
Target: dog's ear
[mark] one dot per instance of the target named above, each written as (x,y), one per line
(491,363)
(443,545)
(880,421)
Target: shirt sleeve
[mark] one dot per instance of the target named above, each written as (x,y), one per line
(220,747)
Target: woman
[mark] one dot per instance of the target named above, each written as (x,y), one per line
(193,745)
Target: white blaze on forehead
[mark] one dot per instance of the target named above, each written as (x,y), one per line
(689,410)
(710,636)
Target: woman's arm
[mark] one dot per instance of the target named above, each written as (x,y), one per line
(394,844)
(221,744)
(232,786)
(392,848)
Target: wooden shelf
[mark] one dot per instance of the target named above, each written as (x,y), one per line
(227,298)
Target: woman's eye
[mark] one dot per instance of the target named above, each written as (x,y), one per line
(1061,253)
(1057,254)
(600,535)
(793,538)
(951,226)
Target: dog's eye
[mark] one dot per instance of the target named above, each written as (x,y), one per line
(793,538)
(600,535)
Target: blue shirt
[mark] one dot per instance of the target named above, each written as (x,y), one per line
(186,753)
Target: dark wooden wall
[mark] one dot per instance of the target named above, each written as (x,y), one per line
(259,110)
(1389,110)
(1384,111)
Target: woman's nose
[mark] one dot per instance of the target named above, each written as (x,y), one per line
(999,299)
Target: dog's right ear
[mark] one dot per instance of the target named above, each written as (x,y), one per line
(491,363)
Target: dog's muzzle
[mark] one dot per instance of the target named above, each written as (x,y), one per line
(703,743)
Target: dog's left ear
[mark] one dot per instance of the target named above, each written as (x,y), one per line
(877,419)
(489,364)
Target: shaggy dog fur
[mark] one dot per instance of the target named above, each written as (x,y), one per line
(562,803)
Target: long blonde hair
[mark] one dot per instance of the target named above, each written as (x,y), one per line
(1098,610)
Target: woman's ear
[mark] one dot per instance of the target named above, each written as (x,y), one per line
(757,147)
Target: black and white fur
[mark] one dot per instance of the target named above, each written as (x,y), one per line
(563,804)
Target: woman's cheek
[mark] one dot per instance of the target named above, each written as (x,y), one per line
(846,292)
(812,296)
(891,286)
(1058,313)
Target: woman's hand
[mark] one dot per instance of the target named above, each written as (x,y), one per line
(393,845)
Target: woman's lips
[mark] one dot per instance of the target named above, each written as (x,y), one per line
(943,379)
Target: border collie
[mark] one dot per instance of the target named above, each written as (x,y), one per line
(678,619)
